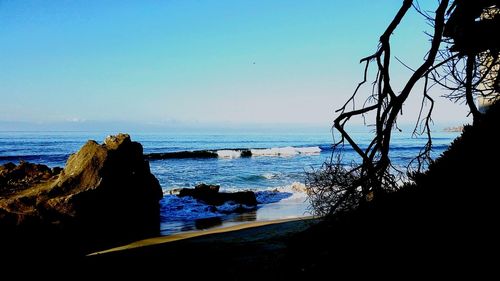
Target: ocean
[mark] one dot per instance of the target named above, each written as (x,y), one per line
(275,171)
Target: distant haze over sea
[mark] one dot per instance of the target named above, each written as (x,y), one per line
(188,127)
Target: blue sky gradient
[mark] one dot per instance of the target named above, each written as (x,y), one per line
(196,62)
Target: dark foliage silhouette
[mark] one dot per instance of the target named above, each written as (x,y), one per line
(463,58)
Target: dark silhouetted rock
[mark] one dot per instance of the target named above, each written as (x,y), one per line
(246,153)
(201,191)
(104,189)
(210,195)
(182,155)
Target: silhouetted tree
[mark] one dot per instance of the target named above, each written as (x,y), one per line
(463,58)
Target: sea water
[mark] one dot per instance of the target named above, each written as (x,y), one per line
(276,169)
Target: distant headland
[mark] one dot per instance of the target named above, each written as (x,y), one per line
(456,129)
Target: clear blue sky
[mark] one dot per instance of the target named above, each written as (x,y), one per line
(184,62)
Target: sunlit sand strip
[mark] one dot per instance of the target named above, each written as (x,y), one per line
(187,235)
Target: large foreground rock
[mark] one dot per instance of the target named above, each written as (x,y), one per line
(105,189)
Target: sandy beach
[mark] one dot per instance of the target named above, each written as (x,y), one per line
(240,233)
(240,252)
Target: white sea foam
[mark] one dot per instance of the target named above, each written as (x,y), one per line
(297,189)
(231,207)
(309,150)
(229,154)
(276,151)
(285,151)
(293,191)
(271,196)
(185,208)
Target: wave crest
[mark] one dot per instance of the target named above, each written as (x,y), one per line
(285,151)
(231,154)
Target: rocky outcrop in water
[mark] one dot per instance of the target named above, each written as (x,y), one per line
(201,154)
(182,155)
(210,195)
(104,189)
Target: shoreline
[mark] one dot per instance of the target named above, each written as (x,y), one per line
(272,207)
(155,241)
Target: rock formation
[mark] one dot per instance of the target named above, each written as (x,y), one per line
(210,195)
(104,189)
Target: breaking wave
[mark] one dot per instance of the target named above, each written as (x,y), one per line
(237,153)
(174,208)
